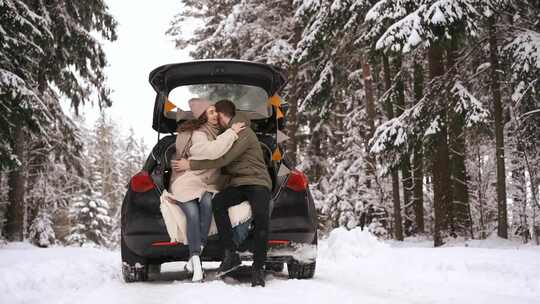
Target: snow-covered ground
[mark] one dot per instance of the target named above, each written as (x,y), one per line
(352,267)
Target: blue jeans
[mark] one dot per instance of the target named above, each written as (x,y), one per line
(198,216)
(240,232)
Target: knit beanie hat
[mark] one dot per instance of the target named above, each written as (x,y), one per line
(198,106)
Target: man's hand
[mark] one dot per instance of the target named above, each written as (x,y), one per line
(180,165)
(237,127)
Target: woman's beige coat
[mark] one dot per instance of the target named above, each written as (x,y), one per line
(190,185)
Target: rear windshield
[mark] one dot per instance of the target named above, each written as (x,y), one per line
(246,98)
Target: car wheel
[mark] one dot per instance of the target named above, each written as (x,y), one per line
(154,268)
(134,267)
(275,267)
(134,273)
(299,270)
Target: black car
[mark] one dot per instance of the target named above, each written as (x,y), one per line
(292,239)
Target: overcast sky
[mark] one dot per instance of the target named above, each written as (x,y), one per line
(141,47)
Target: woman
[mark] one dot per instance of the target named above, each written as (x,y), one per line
(192,191)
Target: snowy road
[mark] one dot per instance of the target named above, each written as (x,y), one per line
(352,268)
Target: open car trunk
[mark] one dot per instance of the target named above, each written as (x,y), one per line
(252,85)
(169,77)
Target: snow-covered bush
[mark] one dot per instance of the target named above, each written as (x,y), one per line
(41,230)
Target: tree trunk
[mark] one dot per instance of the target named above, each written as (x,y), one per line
(398,226)
(370,109)
(295,93)
(15,226)
(502,227)
(314,150)
(439,158)
(480,195)
(518,193)
(418,164)
(292,121)
(334,134)
(405,166)
(459,215)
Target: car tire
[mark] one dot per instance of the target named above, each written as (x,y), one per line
(154,268)
(134,273)
(275,267)
(134,267)
(299,270)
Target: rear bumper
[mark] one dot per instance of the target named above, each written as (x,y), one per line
(299,252)
(301,247)
(304,237)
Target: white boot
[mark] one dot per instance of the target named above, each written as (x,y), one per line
(197,269)
(189,265)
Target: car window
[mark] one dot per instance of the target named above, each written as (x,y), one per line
(246,98)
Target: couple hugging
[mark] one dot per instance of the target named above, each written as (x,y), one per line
(221,174)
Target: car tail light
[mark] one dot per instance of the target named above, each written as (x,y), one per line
(297,181)
(278,242)
(164,244)
(141,182)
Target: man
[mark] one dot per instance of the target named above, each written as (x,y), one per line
(250,181)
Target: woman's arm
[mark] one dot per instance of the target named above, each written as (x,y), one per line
(203,148)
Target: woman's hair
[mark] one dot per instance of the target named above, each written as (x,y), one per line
(192,125)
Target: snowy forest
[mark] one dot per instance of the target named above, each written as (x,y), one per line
(410,118)
(62,181)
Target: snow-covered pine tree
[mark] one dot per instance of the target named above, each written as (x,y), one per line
(522,49)
(350,196)
(314,101)
(131,160)
(56,166)
(106,156)
(21,29)
(75,59)
(379,18)
(334,79)
(247,29)
(91,222)
(206,38)
(317,74)
(59,53)
(41,231)
(430,24)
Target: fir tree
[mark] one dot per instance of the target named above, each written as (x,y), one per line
(47,47)
(91,221)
